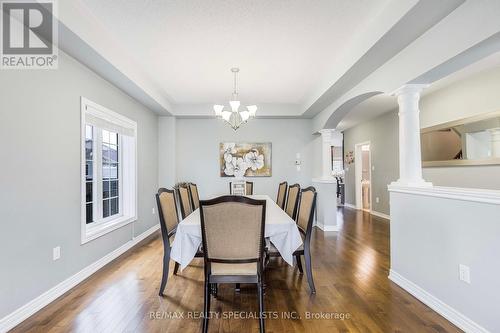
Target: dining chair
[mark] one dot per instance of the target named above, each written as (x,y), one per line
(234,247)
(185,200)
(169,219)
(305,216)
(292,200)
(248,188)
(280,200)
(193,194)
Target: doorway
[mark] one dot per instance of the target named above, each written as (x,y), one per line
(363,171)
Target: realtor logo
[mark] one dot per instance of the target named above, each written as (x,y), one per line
(28,30)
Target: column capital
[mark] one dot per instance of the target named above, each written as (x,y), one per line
(409,89)
(326,134)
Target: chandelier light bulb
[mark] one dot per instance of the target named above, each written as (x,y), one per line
(218,110)
(245,115)
(226,115)
(252,109)
(235,105)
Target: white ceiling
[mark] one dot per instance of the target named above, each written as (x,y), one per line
(283,47)
(380,104)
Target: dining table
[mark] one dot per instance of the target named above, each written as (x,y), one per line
(280,228)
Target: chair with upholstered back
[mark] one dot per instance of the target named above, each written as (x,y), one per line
(234,247)
(248,188)
(185,200)
(167,212)
(292,200)
(169,219)
(280,200)
(305,215)
(195,198)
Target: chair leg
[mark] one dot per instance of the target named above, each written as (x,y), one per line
(261,308)
(164,277)
(307,257)
(206,307)
(299,263)
(237,288)
(176,268)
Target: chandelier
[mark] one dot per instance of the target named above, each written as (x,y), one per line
(235,118)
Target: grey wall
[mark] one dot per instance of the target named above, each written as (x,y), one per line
(317,153)
(382,132)
(198,152)
(166,151)
(431,237)
(472,96)
(40,176)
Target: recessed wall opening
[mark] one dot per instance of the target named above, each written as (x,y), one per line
(363,176)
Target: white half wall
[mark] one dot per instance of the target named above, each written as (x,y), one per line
(435,230)
(197,152)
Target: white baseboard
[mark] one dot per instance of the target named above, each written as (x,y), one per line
(373,212)
(382,215)
(24,312)
(348,205)
(327,227)
(457,318)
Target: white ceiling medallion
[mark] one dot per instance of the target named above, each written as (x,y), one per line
(234,117)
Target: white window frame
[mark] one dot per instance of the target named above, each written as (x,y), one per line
(127,177)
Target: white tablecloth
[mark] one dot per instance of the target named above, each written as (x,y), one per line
(280,228)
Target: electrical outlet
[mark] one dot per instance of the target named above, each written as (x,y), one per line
(153,211)
(464,273)
(56,253)
(373,167)
(377,199)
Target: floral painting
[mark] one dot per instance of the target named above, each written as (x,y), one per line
(245,159)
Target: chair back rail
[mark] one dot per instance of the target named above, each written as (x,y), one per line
(280,200)
(185,200)
(195,198)
(167,213)
(292,200)
(306,209)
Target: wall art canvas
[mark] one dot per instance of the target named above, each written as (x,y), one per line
(245,159)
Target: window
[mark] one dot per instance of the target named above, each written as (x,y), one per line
(108,170)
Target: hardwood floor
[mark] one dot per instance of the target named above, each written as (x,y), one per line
(350,272)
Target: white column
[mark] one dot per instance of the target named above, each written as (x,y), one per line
(495,142)
(410,157)
(326,153)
